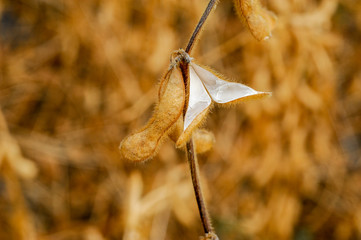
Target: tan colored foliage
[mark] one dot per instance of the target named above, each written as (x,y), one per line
(78,76)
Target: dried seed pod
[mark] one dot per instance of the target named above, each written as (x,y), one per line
(176,130)
(260,21)
(203,140)
(185,86)
(144,144)
(205,87)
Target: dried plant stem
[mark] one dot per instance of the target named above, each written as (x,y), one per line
(191,155)
(193,165)
(211,5)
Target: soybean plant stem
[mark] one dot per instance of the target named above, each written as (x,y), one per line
(191,155)
(193,165)
(211,5)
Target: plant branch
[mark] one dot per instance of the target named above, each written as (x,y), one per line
(191,155)
(193,165)
(211,5)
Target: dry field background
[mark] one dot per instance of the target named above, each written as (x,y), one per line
(77,76)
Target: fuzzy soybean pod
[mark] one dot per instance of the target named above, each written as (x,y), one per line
(144,144)
(260,21)
(205,88)
(203,139)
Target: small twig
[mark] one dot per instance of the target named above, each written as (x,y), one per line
(193,165)
(211,5)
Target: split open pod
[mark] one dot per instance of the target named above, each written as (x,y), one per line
(186,93)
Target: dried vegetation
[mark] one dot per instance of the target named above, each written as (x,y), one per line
(76,77)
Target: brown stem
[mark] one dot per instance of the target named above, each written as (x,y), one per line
(211,5)
(193,165)
(191,155)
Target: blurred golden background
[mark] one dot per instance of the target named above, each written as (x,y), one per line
(76,77)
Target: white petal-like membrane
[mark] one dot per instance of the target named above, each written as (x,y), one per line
(205,87)
(222,91)
(199,99)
